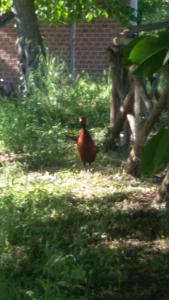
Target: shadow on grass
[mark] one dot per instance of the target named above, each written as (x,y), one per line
(61,247)
(38,161)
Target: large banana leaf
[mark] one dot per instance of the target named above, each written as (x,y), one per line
(155,156)
(147,54)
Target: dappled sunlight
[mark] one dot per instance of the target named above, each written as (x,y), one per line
(83,184)
(149,247)
(91,232)
(80,232)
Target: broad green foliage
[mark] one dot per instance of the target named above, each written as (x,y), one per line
(128,49)
(66,11)
(155,156)
(63,11)
(5,5)
(146,55)
(154,10)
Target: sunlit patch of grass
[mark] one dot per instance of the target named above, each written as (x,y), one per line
(76,234)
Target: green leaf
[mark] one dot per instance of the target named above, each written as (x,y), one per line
(148,54)
(164,37)
(64,11)
(89,16)
(155,156)
(127,50)
(5,5)
(151,65)
(147,48)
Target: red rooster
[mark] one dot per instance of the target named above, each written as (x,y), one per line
(85,145)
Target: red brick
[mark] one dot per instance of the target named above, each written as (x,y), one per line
(92,40)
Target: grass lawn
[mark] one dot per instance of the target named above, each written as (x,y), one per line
(72,234)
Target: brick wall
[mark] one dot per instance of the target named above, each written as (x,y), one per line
(9,69)
(56,38)
(92,40)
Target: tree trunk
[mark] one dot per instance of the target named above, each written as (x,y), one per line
(127,133)
(120,87)
(29,38)
(141,108)
(138,146)
(120,121)
(121,117)
(164,189)
(115,57)
(137,108)
(146,99)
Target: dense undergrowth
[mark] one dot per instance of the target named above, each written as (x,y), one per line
(40,124)
(69,234)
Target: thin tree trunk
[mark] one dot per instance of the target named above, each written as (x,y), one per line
(141,108)
(115,56)
(120,87)
(120,121)
(121,117)
(164,189)
(29,38)
(114,104)
(127,133)
(138,146)
(137,108)
(131,121)
(145,97)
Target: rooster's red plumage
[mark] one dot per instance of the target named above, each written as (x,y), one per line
(85,145)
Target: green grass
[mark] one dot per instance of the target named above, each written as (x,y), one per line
(66,233)
(40,122)
(71,234)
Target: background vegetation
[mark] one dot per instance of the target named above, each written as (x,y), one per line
(42,123)
(68,233)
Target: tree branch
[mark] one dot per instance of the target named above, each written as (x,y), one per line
(148,27)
